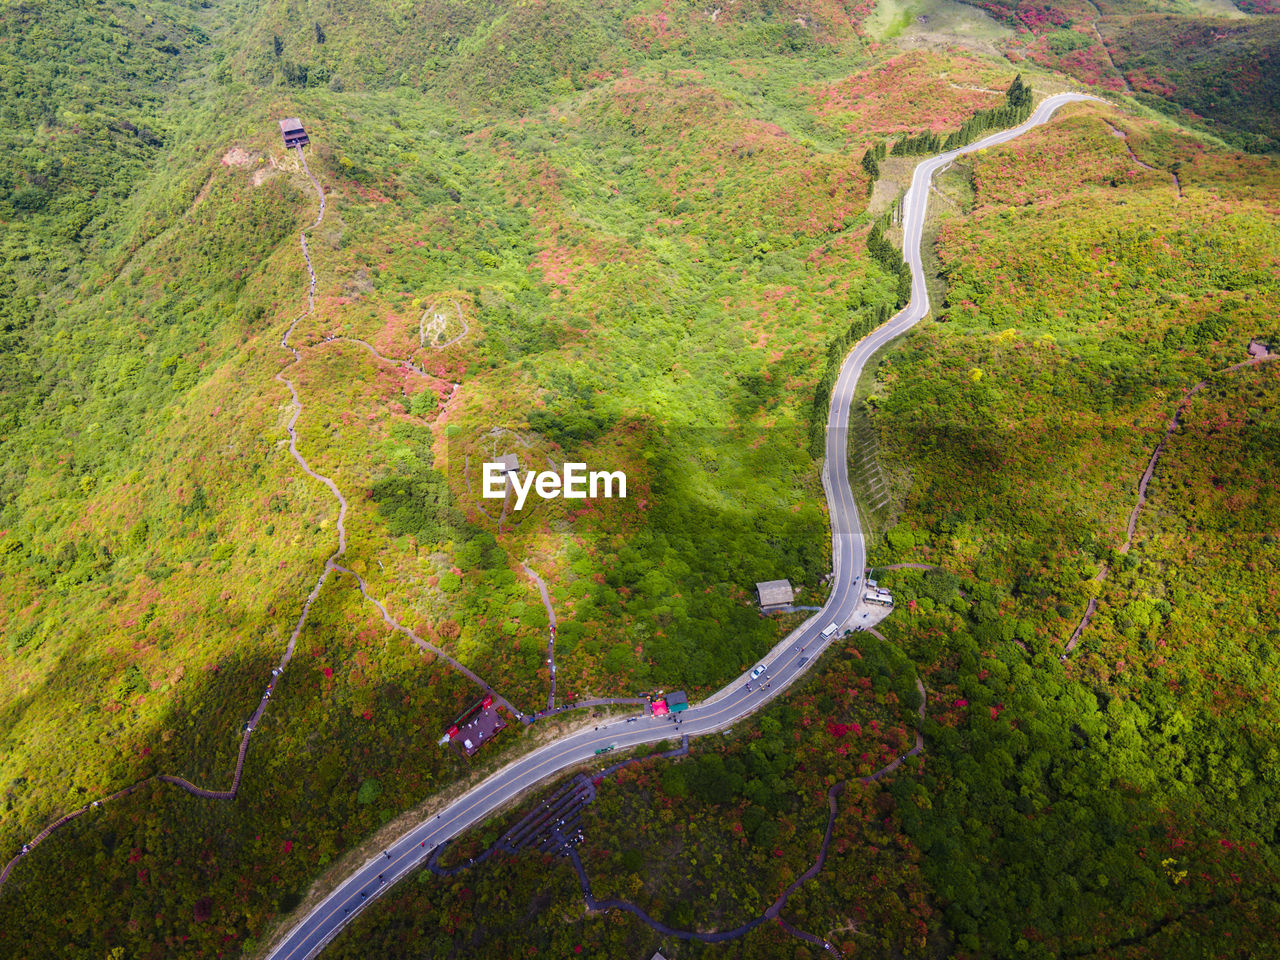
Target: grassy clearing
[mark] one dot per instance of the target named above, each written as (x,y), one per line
(937,24)
(890,18)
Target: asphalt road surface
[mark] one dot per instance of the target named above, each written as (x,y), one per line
(731,703)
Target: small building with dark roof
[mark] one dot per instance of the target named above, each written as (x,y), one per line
(774,594)
(510,466)
(677,702)
(294,135)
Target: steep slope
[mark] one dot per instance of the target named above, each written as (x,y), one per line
(158,539)
(1119,803)
(1227,71)
(1171,55)
(650,236)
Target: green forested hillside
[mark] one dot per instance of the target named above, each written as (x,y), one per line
(158,540)
(1225,70)
(651,225)
(1212,65)
(83,120)
(1119,803)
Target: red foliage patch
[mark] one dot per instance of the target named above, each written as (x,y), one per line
(907,92)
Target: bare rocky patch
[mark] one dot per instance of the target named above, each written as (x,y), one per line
(240,157)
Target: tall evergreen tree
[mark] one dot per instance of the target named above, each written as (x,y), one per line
(869,164)
(1019,94)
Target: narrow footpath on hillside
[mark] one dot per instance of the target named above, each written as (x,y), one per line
(551,663)
(331,565)
(1171,427)
(551,633)
(1093,25)
(774,910)
(1104,570)
(307,936)
(1121,135)
(554,827)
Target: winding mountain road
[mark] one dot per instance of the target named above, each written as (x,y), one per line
(738,699)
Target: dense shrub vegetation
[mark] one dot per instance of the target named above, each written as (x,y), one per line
(1118,805)
(157,540)
(707,842)
(1225,70)
(653,227)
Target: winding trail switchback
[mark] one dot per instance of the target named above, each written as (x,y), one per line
(331,565)
(181,782)
(551,661)
(1170,428)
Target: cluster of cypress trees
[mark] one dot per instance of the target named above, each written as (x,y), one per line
(864,321)
(1016,108)
(870,164)
(888,256)
(917,143)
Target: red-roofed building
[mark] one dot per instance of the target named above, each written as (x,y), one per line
(476,727)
